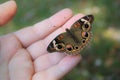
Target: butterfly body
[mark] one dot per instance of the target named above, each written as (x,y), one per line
(74,39)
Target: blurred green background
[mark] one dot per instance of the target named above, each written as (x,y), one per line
(101,59)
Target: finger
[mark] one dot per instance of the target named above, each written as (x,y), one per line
(39,48)
(47,60)
(7,11)
(40,30)
(21,66)
(63,28)
(58,71)
(65,66)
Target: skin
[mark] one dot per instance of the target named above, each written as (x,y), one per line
(23,54)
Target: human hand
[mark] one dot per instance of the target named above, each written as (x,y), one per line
(23,54)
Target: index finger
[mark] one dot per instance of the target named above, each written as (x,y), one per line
(40,30)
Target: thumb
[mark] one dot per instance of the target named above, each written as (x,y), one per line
(7,11)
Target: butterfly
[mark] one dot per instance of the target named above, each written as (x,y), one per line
(74,39)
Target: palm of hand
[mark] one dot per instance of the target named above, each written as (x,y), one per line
(23,54)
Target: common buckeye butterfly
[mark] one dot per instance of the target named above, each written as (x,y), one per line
(74,39)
